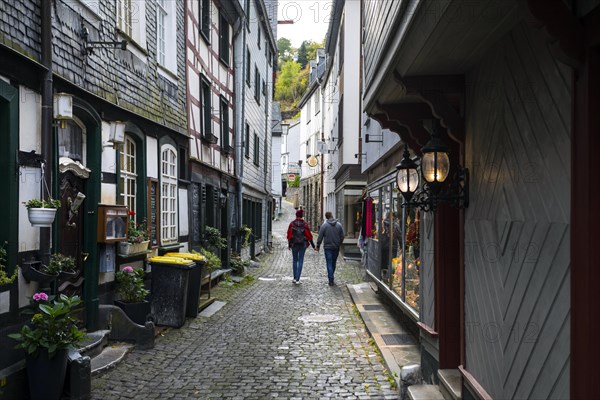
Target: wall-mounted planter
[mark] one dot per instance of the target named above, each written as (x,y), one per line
(41,217)
(31,272)
(126,248)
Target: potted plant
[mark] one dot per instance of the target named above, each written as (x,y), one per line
(5,279)
(132,294)
(46,340)
(62,265)
(41,212)
(137,237)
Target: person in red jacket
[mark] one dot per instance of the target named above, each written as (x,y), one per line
(299,238)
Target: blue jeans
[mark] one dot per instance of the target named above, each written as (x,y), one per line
(331,256)
(298,260)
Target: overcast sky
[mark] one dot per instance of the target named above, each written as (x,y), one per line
(311,20)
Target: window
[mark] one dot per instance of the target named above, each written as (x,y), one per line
(317,101)
(223,39)
(247,142)
(248,64)
(125,16)
(257,80)
(71,142)
(161,31)
(224,123)
(128,174)
(205,19)
(168,193)
(264,87)
(256,148)
(166,35)
(206,104)
(258,39)
(309,109)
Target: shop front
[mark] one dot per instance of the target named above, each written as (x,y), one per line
(391,240)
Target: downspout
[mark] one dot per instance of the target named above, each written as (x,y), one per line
(47,88)
(239,144)
(267,128)
(323,140)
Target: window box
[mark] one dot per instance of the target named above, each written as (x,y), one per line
(210,138)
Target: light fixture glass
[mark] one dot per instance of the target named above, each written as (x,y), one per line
(435,166)
(117,132)
(63,108)
(407,178)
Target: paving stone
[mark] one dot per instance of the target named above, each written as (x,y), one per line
(256,347)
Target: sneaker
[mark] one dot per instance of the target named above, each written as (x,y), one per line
(294,281)
(297,282)
(331,283)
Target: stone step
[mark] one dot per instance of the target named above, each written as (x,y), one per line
(109,357)
(424,392)
(94,343)
(450,383)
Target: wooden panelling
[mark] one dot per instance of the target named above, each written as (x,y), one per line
(427,313)
(517,229)
(379,17)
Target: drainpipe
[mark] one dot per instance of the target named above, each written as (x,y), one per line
(239,144)
(47,88)
(322,140)
(267,128)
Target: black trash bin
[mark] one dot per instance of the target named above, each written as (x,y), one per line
(194,281)
(169,289)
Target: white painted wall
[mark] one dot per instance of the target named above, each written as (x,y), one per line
(152,159)
(351,82)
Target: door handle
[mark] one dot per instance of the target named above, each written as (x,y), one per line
(85,256)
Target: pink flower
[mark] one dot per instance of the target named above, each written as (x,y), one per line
(128,269)
(40,296)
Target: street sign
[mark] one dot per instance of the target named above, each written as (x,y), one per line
(291,177)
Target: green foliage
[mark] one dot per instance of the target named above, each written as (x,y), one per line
(136,233)
(291,84)
(213,261)
(246,231)
(52,326)
(4,278)
(130,285)
(285,50)
(38,203)
(295,183)
(303,55)
(214,239)
(58,263)
(237,264)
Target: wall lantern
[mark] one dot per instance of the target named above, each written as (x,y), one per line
(435,167)
(63,108)
(117,132)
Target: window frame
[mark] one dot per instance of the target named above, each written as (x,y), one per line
(169,227)
(204,23)
(247,141)
(224,39)
(128,176)
(206,107)
(256,158)
(224,111)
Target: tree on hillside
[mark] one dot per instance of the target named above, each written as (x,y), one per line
(291,84)
(285,50)
(303,54)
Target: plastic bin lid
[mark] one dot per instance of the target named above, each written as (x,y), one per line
(170,260)
(187,256)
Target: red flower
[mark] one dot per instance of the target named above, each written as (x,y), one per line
(131,212)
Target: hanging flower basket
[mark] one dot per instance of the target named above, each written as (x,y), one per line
(126,248)
(41,217)
(41,212)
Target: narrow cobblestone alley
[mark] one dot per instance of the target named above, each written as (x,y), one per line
(256,347)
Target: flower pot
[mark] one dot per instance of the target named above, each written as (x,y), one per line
(137,312)
(46,376)
(41,217)
(126,248)
(66,275)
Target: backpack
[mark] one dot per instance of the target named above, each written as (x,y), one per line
(298,234)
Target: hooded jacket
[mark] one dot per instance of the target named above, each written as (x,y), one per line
(331,234)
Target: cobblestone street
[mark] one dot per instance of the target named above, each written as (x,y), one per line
(256,347)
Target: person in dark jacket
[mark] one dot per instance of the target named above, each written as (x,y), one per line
(299,238)
(331,234)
